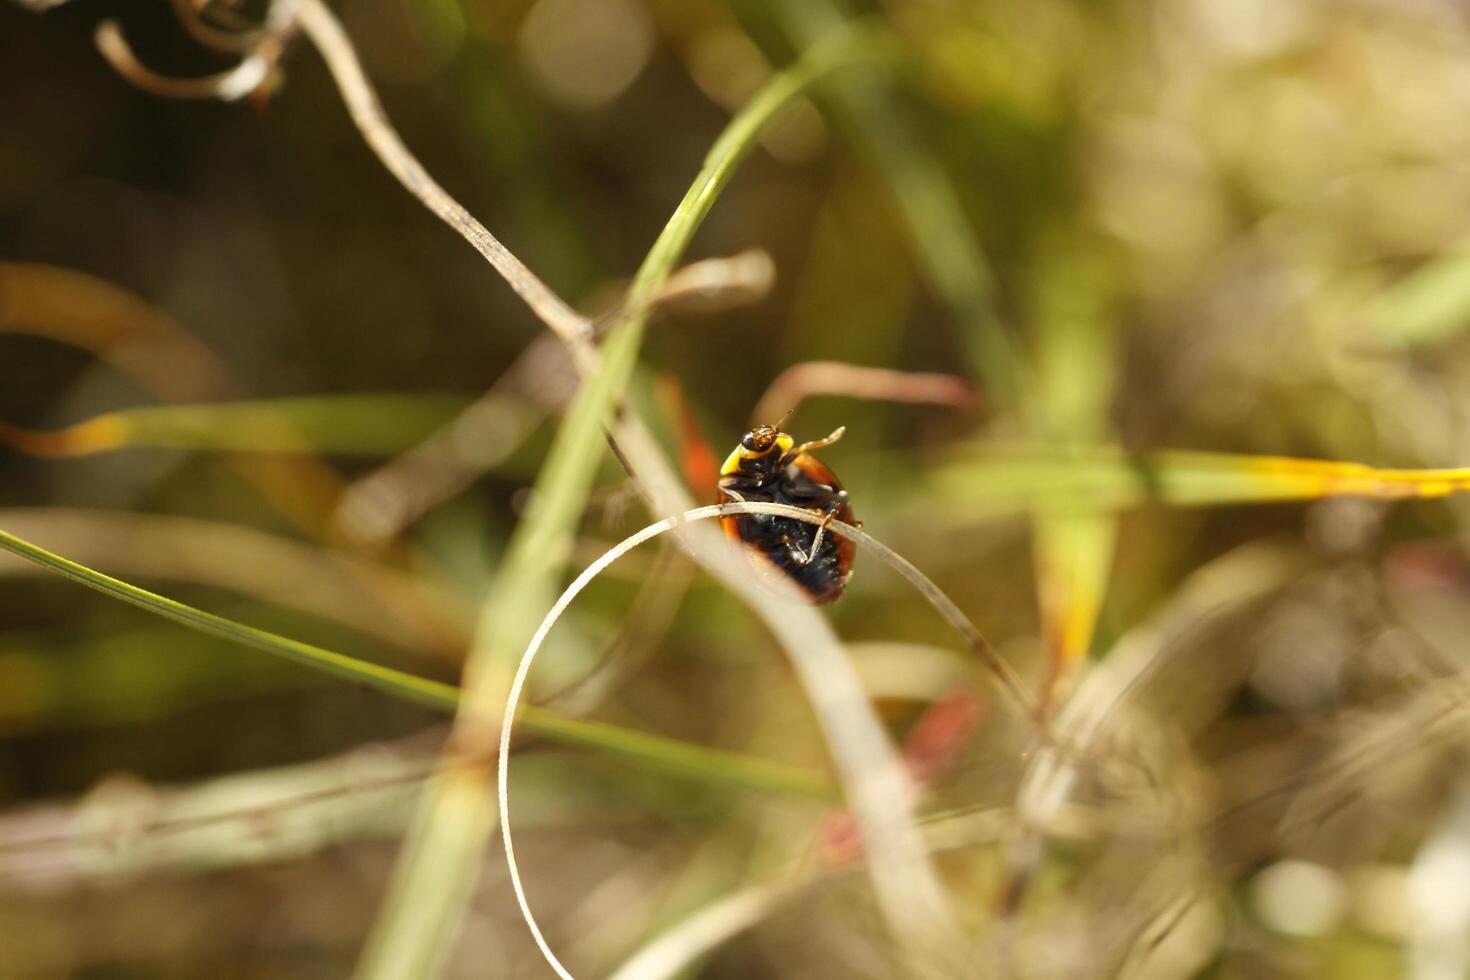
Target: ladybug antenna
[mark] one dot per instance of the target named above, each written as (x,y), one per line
(782,420)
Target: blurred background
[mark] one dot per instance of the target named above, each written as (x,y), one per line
(1235,227)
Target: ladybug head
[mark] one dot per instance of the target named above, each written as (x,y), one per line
(761,450)
(758,441)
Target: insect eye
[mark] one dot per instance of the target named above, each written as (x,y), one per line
(749,441)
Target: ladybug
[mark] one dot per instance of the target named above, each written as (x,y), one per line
(768,467)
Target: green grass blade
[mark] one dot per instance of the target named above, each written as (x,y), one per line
(420,690)
(679,758)
(654,751)
(1075,376)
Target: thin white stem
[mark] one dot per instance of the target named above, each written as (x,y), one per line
(523,669)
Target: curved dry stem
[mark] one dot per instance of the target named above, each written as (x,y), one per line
(1005,674)
(801,381)
(191,15)
(712,285)
(930,591)
(228,86)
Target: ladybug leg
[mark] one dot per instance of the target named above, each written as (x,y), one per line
(821,533)
(799,557)
(804,558)
(821,496)
(828,502)
(814,445)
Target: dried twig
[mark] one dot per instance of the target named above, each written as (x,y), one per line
(237,83)
(674,951)
(718,284)
(228,821)
(854,381)
(190,14)
(378,507)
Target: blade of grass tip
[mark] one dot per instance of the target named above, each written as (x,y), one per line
(365,425)
(442,851)
(930,958)
(657,752)
(1429,305)
(1073,555)
(1193,479)
(1033,478)
(732,146)
(1075,376)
